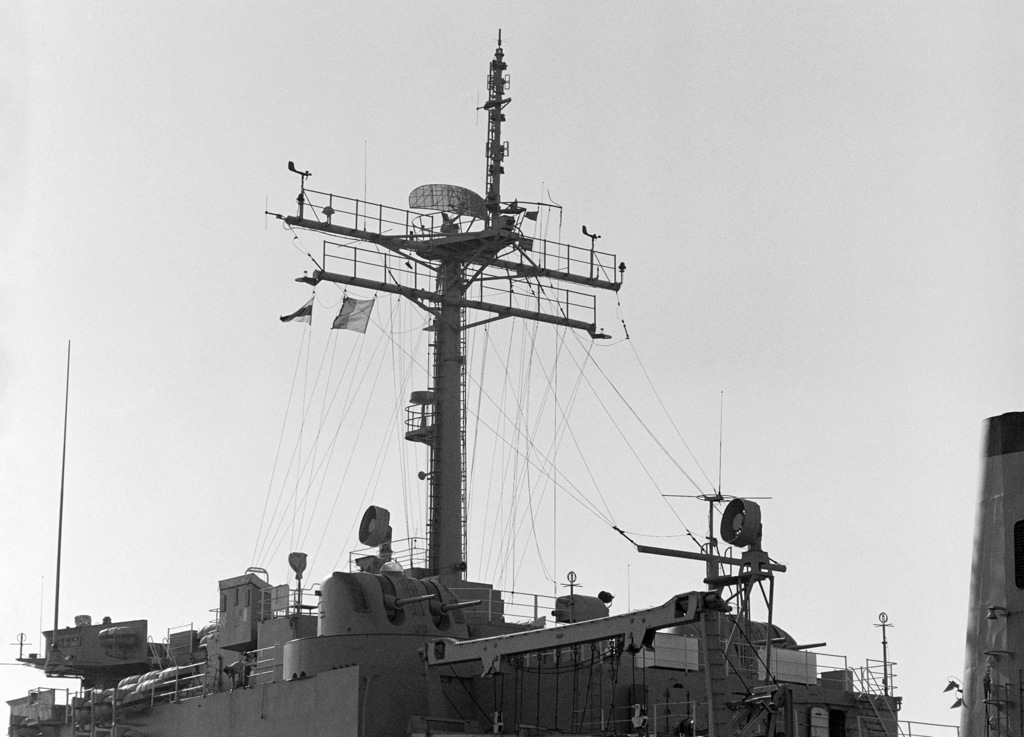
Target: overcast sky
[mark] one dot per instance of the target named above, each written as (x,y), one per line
(820,210)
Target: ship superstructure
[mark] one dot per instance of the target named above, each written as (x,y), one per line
(413,646)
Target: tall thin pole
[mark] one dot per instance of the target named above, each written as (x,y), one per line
(42,589)
(721,431)
(883,618)
(60,515)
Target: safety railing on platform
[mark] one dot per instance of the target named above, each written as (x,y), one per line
(927,729)
(677,717)
(669,718)
(284,600)
(371,217)
(509,606)
(532,295)
(170,684)
(420,228)
(264,664)
(180,643)
(409,552)
(378,265)
(875,677)
(627,719)
(383,266)
(43,707)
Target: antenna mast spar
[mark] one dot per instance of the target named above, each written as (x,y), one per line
(467,253)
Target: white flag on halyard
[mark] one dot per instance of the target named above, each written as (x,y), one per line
(354,315)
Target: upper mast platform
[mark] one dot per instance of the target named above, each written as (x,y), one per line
(440,235)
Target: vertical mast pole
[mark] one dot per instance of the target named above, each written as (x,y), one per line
(495,147)
(712,565)
(60,513)
(446,556)
(447,534)
(883,619)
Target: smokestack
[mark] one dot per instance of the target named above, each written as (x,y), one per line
(994,660)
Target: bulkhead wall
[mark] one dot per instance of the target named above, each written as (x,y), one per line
(375,623)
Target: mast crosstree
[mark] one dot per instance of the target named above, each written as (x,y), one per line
(465,253)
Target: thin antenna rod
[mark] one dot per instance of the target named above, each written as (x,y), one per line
(721,421)
(42,588)
(60,515)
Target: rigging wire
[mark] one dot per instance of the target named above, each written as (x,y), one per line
(555,444)
(502,419)
(305,465)
(400,392)
(567,427)
(541,288)
(358,434)
(476,427)
(519,454)
(517,432)
(299,246)
(379,465)
(314,472)
(668,414)
(296,453)
(633,449)
(305,409)
(646,428)
(280,443)
(530,496)
(322,468)
(506,547)
(316,440)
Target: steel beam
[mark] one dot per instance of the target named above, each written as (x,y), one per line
(433,248)
(635,628)
(423,295)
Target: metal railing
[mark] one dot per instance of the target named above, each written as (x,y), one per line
(264,664)
(41,705)
(371,217)
(510,606)
(383,266)
(626,719)
(927,729)
(409,552)
(867,678)
(875,677)
(420,228)
(666,716)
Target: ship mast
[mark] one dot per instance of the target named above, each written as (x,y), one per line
(448,263)
(496,102)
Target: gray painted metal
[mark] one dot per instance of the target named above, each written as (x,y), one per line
(635,628)
(992,690)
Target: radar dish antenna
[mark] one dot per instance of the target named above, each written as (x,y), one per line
(448,198)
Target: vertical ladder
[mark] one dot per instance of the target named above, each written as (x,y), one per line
(462,438)
(715,673)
